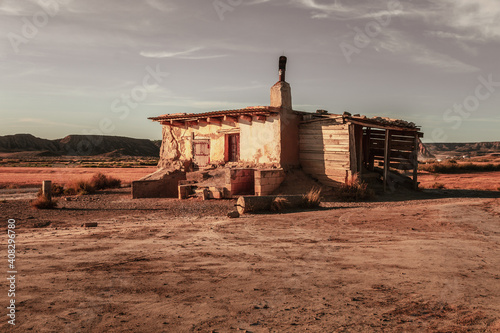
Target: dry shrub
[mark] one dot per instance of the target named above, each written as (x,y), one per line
(354,191)
(56,190)
(100,181)
(43,203)
(313,198)
(279,204)
(438,186)
(79,187)
(451,166)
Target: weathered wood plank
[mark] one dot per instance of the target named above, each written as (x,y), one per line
(323,130)
(324,126)
(321,147)
(353,158)
(394,145)
(341,136)
(325,165)
(336,142)
(311,155)
(394,132)
(393,153)
(386,156)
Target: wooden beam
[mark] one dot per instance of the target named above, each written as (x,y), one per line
(386,127)
(246,117)
(216,121)
(387,151)
(177,123)
(192,123)
(202,122)
(231,119)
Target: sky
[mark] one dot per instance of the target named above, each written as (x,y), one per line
(104,67)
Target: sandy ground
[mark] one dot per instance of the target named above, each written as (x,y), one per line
(430,263)
(28,177)
(480,180)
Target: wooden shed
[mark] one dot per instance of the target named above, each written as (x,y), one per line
(336,149)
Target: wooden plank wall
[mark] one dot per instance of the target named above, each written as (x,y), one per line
(324,151)
(402,148)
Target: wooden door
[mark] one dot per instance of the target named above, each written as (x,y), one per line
(233,147)
(201,152)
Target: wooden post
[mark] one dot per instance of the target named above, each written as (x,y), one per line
(47,189)
(387,159)
(359,147)
(369,156)
(415,162)
(353,157)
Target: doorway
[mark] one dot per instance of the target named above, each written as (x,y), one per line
(232,147)
(201,152)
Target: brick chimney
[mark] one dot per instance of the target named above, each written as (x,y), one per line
(281,94)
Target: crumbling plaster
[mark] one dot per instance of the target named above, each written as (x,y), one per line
(259,141)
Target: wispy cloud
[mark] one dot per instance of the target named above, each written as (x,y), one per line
(481,17)
(322,10)
(399,43)
(162,6)
(442,61)
(13,8)
(187,54)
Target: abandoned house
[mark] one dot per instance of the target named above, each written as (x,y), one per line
(256,145)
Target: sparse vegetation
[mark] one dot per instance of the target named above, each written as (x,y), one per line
(43,203)
(354,191)
(438,186)
(84,162)
(313,198)
(100,181)
(279,204)
(80,187)
(453,166)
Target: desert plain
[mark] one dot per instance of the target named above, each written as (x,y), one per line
(424,261)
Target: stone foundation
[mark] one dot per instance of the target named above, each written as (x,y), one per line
(267,181)
(240,181)
(161,184)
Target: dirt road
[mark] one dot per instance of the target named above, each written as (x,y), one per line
(168,266)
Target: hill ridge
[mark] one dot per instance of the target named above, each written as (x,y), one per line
(80,145)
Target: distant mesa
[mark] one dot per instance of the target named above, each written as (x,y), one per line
(27,145)
(464,150)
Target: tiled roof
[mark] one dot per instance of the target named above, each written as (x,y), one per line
(253,110)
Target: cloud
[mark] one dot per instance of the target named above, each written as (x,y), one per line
(400,43)
(181,55)
(442,61)
(321,10)
(349,11)
(160,5)
(12,8)
(480,17)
